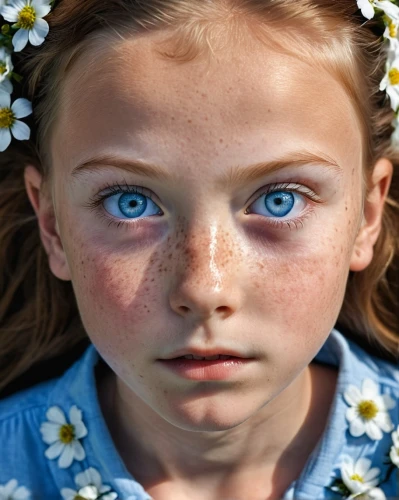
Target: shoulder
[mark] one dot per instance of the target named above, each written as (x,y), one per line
(357,364)
(26,420)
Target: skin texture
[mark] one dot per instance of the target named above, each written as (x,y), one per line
(208,274)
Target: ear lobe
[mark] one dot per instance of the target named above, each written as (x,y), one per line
(43,206)
(369,231)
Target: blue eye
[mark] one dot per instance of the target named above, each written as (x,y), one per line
(279,204)
(131,205)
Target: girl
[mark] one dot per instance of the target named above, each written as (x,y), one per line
(204,190)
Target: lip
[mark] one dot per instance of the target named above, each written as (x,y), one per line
(202,370)
(204,353)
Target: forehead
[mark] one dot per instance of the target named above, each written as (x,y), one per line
(128,97)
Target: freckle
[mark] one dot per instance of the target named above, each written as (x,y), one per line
(203,95)
(153,279)
(169,256)
(221,141)
(141,376)
(206,118)
(190,121)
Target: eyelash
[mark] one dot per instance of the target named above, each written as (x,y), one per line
(296,223)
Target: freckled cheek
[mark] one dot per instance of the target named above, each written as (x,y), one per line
(302,295)
(113,293)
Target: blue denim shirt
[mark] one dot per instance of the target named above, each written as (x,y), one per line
(96,469)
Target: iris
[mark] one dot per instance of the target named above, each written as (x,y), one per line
(279,203)
(132,204)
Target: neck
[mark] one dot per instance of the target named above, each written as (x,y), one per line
(275,442)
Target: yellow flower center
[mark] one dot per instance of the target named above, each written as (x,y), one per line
(367,409)
(394,76)
(67,433)
(78,497)
(7,118)
(3,67)
(26,18)
(393,31)
(356,477)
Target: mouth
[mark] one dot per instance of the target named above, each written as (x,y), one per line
(205,358)
(206,366)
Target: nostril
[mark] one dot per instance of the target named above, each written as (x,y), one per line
(184,309)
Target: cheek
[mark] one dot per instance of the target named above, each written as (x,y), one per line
(300,289)
(114,293)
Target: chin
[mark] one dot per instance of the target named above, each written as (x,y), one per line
(198,416)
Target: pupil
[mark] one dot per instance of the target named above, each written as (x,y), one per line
(133,203)
(278,201)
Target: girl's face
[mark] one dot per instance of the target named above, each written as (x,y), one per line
(232,201)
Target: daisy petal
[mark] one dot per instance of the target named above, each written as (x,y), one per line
(6,86)
(39,32)
(20,131)
(369,389)
(10,487)
(5,139)
(66,457)
(389,402)
(68,494)
(366,8)
(383,420)
(357,428)
(50,432)
(371,474)
(20,39)
(22,493)
(75,415)
(55,450)
(5,100)
(351,414)
(21,108)
(55,414)
(376,494)
(362,466)
(352,395)
(10,13)
(80,430)
(41,10)
(373,431)
(78,451)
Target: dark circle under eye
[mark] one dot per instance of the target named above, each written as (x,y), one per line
(280,203)
(132,204)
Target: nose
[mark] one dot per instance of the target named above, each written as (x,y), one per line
(206,282)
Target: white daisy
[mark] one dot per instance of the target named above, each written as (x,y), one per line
(27,16)
(11,491)
(9,123)
(369,410)
(90,487)
(390,9)
(6,68)
(360,480)
(368,8)
(391,34)
(394,453)
(63,436)
(390,82)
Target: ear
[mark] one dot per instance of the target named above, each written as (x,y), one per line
(43,206)
(369,231)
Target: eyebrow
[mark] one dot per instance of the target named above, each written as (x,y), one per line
(235,175)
